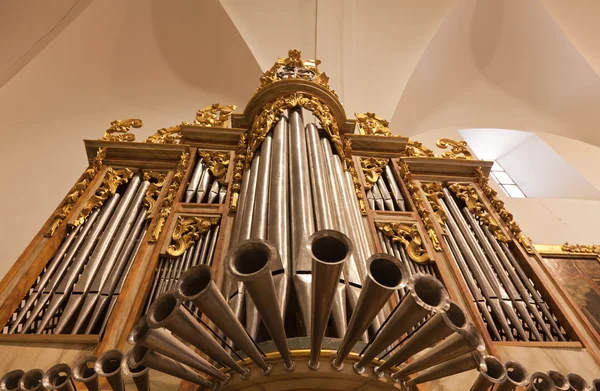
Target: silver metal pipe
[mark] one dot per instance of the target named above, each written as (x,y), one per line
(540,382)
(516,376)
(108,365)
(194,181)
(140,374)
(249,204)
(59,377)
(212,247)
(86,374)
(560,381)
(467,362)
(10,381)
(250,262)
(379,204)
(425,295)
(385,193)
(32,381)
(197,286)
(391,180)
(493,375)
(321,189)
(371,199)
(222,194)
(577,382)
(205,179)
(386,275)
(213,193)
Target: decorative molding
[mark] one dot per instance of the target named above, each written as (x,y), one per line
(347,159)
(119,129)
(415,195)
(293,67)
(217,162)
(112,180)
(458,149)
(63,210)
(157,181)
(238,170)
(581,248)
(372,125)
(372,168)
(213,116)
(170,135)
(167,203)
(433,192)
(468,194)
(504,214)
(567,250)
(408,235)
(417,149)
(187,231)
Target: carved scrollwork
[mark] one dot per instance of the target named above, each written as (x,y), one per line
(238,169)
(170,135)
(157,181)
(215,115)
(187,231)
(458,149)
(119,129)
(433,192)
(63,210)
(347,156)
(112,180)
(167,203)
(408,235)
(504,214)
(415,195)
(371,124)
(417,149)
(581,248)
(372,168)
(217,162)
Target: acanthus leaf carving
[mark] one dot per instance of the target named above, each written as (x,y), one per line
(407,235)
(458,149)
(187,231)
(217,162)
(372,169)
(119,130)
(157,181)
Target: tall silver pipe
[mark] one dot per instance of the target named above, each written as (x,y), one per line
(108,365)
(10,381)
(194,181)
(250,262)
(197,286)
(73,273)
(321,190)
(516,376)
(466,362)
(32,381)
(385,275)
(249,202)
(329,251)
(577,382)
(560,380)
(540,382)
(139,374)
(205,179)
(84,372)
(425,295)
(151,359)
(493,375)
(211,248)
(165,343)
(59,377)
(378,198)
(385,193)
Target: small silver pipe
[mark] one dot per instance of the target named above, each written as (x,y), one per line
(108,365)
(389,175)
(194,181)
(205,179)
(213,194)
(385,193)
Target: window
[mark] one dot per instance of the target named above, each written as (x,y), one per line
(505,181)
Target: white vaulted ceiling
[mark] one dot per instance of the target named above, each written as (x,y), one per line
(69,67)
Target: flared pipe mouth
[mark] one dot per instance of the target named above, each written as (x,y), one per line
(83,372)
(559,380)
(596,385)
(387,271)
(10,381)
(329,247)
(472,336)
(516,373)
(454,317)
(139,332)
(250,258)
(162,310)
(137,356)
(57,376)
(194,282)
(541,382)
(32,380)
(109,363)
(428,292)
(480,362)
(577,382)
(128,370)
(495,371)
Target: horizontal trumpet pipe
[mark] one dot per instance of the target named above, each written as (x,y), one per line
(466,362)
(10,381)
(540,382)
(108,365)
(140,374)
(59,377)
(516,376)
(32,381)
(596,384)
(86,374)
(577,382)
(494,374)
(385,275)
(560,380)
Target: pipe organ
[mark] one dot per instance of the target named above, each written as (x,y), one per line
(286,247)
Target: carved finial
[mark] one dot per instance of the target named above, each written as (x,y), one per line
(119,128)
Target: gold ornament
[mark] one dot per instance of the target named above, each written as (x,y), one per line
(238,169)
(408,236)
(372,168)
(217,162)
(170,135)
(157,180)
(581,248)
(417,149)
(187,231)
(371,124)
(458,149)
(213,116)
(355,181)
(433,192)
(119,129)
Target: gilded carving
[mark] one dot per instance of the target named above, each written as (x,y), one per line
(417,149)
(215,115)
(294,67)
(458,149)
(112,180)
(167,203)
(433,192)
(238,169)
(408,236)
(170,135)
(157,180)
(187,231)
(581,248)
(217,162)
(371,124)
(372,168)
(347,156)
(415,195)
(119,129)
(61,213)
(504,214)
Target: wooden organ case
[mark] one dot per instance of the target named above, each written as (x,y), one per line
(286,247)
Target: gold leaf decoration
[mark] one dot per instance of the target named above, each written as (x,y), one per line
(61,213)
(213,116)
(458,149)
(294,67)
(167,203)
(238,169)
(417,149)
(119,129)
(581,248)
(433,192)
(355,181)
(157,181)
(371,124)
(112,180)
(372,168)
(415,195)
(408,236)
(170,135)
(504,214)
(217,162)
(187,231)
